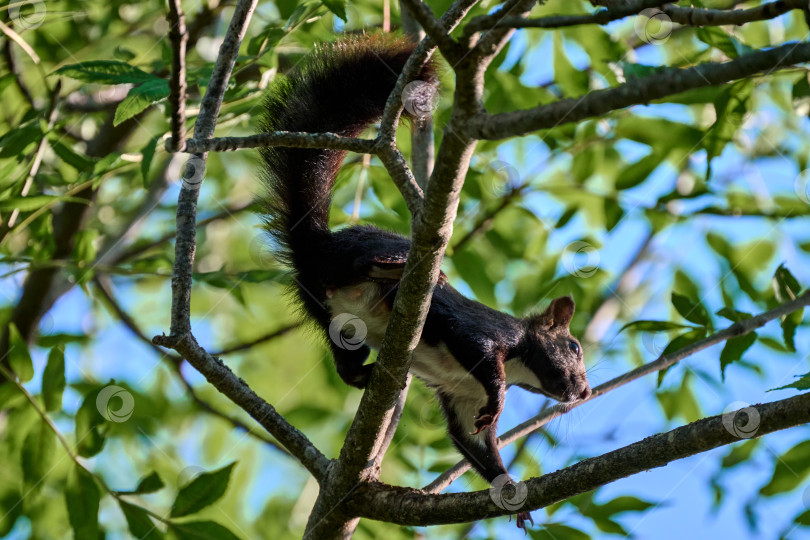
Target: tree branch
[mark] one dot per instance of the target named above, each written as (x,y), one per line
(663,362)
(186,243)
(435,28)
(413,507)
(280,138)
(178,36)
(560,21)
(238,391)
(680,15)
(670,82)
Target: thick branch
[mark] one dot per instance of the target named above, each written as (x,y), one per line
(280,138)
(639,91)
(412,507)
(186,243)
(662,363)
(237,390)
(680,15)
(434,28)
(560,21)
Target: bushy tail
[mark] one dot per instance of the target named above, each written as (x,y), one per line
(341,89)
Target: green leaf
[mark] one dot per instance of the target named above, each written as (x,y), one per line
(802,384)
(785,285)
(18,356)
(90,428)
(148,153)
(739,453)
(623,504)
(69,155)
(149,484)
(204,490)
(734,349)
(82,496)
(803,518)
(557,531)
(733,315)
(35,202)
(140,524)
(15,141)
(201,530)
(680,342)
(690,310)
(338,7)
(37,454)
(730,108)
(653,326)
(53,379)
(105,72)
(572,81)
(141,97)
(719,39)
(791,469)
(637,172)
(789,324)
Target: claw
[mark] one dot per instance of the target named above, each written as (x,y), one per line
(482,422)
(521,520)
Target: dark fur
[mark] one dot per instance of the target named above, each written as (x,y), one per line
(343,89)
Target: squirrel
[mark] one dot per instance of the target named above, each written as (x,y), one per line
(468,353)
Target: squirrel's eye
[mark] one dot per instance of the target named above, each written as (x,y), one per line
(574,347)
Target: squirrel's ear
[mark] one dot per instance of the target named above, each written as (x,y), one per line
(558,314)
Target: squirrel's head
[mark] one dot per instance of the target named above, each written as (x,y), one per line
(553,355)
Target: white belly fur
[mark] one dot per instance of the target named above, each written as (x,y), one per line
(434,365)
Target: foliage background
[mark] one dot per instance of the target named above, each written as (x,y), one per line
(701,195)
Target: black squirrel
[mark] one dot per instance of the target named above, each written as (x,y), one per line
(468,352)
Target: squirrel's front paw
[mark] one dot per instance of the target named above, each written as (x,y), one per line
(485,419)
(522,518)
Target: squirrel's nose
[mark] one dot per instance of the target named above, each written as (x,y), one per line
(586,393)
